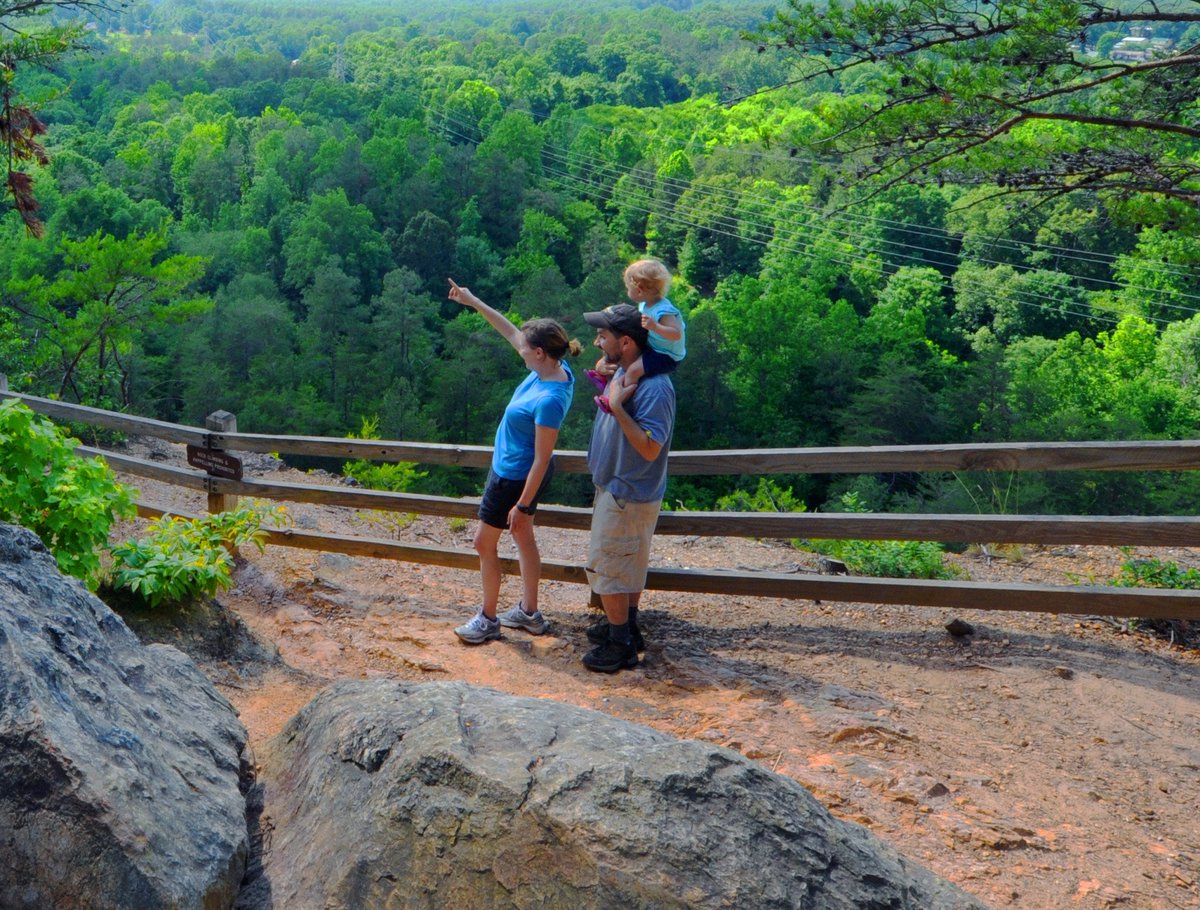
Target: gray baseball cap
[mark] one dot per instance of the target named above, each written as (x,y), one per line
(620,318)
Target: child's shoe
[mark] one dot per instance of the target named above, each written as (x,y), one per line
(602,404)
(599,380)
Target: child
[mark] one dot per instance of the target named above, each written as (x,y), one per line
(646,283)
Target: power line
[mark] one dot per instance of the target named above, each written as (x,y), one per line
(1085,256)
(750,230)
(568,181)
(759,230)
(948,259)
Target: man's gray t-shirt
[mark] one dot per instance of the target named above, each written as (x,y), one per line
(615,464)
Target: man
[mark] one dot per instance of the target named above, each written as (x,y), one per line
(628,460)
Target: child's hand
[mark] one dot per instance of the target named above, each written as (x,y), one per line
(649,323)
(604,368)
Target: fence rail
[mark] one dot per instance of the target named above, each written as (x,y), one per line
(1079,599)
(1151,455)
(1105,530)
(1114,530)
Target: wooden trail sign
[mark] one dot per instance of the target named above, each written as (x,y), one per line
(216,462)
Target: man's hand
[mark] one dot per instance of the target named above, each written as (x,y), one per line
(619,392)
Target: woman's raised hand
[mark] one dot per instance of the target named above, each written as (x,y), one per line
(462,295)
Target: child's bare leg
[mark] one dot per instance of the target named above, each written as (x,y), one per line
(634,372)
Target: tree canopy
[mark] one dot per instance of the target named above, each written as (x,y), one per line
(1037,98)
(254,206)
(27,40)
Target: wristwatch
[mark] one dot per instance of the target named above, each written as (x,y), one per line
(526,510)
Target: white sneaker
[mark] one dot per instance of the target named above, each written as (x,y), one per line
(516,618)
(478,629)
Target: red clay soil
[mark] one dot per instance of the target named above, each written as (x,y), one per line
(1044,762)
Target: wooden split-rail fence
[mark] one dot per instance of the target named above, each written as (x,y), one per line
(214,447)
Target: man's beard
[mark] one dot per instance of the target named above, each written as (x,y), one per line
(614,359)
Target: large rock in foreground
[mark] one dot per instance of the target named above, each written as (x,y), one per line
(381,794)
(120,765)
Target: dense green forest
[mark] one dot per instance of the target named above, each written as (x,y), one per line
(255,206)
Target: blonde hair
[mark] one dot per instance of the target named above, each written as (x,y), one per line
(648,273)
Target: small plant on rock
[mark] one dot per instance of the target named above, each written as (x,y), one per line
(180,559)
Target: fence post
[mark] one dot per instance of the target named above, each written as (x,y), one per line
(3,382)
(221,422)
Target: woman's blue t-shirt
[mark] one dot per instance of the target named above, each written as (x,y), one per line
(535,403)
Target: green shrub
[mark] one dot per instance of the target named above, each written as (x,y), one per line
(184,558)
(768,496)
(69,501)
(884,558)
(1155,573)
(395,477)
(894,558)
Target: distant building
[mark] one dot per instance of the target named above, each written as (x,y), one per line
(1141,45)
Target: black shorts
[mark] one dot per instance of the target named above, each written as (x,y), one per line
(500,494)
(655,363)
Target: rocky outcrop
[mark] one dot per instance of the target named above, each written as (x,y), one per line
(121,767)
(207,631)
(382,794)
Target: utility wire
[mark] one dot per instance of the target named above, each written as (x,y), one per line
(1086,256)
(947,259)
(733,228)
(759,232)
(569,182)
(750,230)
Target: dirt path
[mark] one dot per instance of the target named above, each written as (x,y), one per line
(1043,762)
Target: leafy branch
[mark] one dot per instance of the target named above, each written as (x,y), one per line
(967,90)
(26,41)
(68,501)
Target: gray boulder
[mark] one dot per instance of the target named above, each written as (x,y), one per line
(121,767)
(382,794)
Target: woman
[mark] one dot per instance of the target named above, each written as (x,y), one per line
(522,465)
